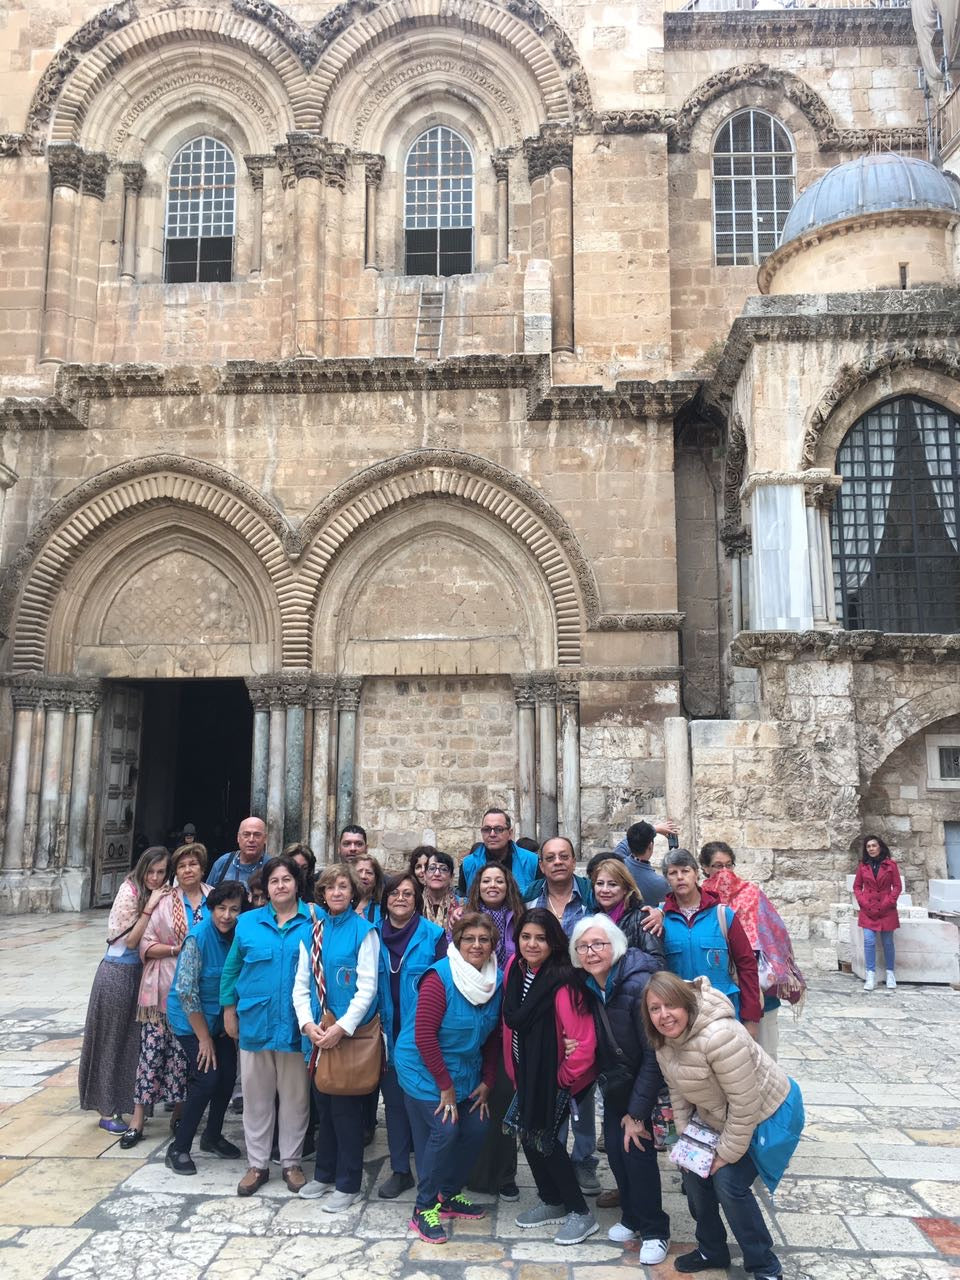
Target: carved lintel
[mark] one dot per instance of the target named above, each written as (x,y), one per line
(65,161)
(255,167)
(553,149)
(335,166)
(755,648)
(523,691)
(652,120)
(134,175)
(94,169)
(373,168)
(637,622)
(347,692)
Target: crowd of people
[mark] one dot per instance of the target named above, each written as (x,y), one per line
(496,1007)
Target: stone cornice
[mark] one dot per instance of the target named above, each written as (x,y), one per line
(36,413)
(754,648)
(811,479)
(884,315)
(617,675)
(788,29)
(633,120)
(389,373)
(633,399)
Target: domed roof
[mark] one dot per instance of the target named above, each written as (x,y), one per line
(871,184)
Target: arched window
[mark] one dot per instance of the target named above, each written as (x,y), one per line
(753,188)
(201,213)
(895,545)
(438,205)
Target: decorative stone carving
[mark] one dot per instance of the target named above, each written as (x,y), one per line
(387,373)
(523,691)
(637,622)
(31,413)
(94,174)
(206,78)
(501,166)
(634,399)
(321,691)
(294,687)
(65,161)
(306,152)
(553,149)
(25,693)
(788,29)
(134,175)
(13,144)
(335,166)
(304,44)
(732,532)
(347,692)
(263,692)
(922,355)
(754,648)
(178,599)
(284,158)
(634,121)
(373,167)
(255,167)
(760,74)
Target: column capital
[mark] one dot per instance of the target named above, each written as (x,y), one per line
(335,166)
(94,169)
(373,168)
(264,692)
(552,149)
(568,692)
(25,692)
(321,691)
(65,161)
(59,693)
(545,686)
(501,165)
(288,176)
(523,693)
(255,167)
(736,540)
(348,692)
(306,152)
(134,175)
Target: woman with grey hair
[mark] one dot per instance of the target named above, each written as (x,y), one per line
(629,1078)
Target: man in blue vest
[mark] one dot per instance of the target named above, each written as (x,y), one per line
(247,859)
(497,845)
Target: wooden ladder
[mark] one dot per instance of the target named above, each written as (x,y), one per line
(429,322)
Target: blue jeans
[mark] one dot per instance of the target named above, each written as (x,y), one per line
(584,1131)
(729,1189)
(206,1088)
(445,1152)
(339,1154)
(399,1136)
(870,948)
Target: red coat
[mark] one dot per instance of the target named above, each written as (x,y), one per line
(877,895)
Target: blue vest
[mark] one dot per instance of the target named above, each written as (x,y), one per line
(342,936)
(269,959)
(463,1032)
(526,864)
(699,949)
(417,959)
(214,947)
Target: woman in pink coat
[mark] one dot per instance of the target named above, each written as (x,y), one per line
(549,1050)
(877,887)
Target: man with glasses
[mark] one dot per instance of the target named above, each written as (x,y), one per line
(569,897)
(497,845)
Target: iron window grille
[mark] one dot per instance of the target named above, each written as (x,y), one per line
(894,525)
(438,205)
(201,214)
(754,186)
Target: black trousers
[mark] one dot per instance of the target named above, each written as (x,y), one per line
(556,1178)
(206,1088)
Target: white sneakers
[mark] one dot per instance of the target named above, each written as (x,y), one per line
(337,1201)
(313,1190)
(871,981)
(652,1252)
(620,1234)
(891,981)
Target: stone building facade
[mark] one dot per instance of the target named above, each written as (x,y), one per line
(293,525)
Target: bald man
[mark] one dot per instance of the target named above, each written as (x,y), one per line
(247,858)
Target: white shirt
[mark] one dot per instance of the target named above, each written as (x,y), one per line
(368,962)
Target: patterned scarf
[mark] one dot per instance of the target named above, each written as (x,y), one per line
(766,933)
(499,917)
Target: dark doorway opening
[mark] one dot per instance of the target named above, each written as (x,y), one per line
(194,761)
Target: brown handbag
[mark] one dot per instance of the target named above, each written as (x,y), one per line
(352,1068)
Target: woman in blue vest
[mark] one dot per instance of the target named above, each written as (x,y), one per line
(196,1019)
(446,1062)
(409,945)
(350,956)
(255,990)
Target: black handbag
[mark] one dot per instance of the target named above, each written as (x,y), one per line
(616,1076)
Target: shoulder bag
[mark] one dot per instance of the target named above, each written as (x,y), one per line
(352,1068)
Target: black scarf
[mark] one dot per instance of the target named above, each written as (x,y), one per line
(533,1021)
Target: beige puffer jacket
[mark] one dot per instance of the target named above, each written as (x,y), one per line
(717,1068)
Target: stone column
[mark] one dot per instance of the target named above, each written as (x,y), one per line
(781,589)
(133,178)
(260,756)
(568,696)
(94,187)
(526,754)
(677,777)
(65,161)
(348,702)
(816,562)
(55,702)
(26,699)
(501,168)
(335,184)
(551,155)
(373,166)
(546,693)
(826,542)
(294,686)
(276,765)
(306,157)
(320,699)
(255,167)
(288,214)
(86,701)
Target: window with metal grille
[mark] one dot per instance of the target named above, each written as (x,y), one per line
(201,213)
(438,205)
(753,187)
(950,763)
(895,541)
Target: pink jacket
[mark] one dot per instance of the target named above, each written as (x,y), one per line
(158,974)
(579,1069)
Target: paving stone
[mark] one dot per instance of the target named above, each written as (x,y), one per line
(137,1255)
(57,1192)
(942,1197)
(835,1195)
(36,1252)
(814,1230)
(898,1235)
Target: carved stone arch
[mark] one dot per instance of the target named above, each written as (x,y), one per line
(99,51)
(105,500)
(923,369)
(758,74)
(908,720)
(464,478)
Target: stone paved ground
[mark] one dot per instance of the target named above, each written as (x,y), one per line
(874,1190)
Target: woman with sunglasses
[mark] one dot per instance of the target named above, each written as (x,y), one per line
(409,945)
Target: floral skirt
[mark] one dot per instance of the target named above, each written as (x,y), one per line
(162,1069)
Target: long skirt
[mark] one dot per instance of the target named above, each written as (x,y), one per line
(111,1040)
(162,1069)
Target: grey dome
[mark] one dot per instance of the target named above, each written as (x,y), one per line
(871,184)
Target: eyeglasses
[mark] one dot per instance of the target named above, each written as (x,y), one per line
(493,831)
(437,868)
(402,895)
(583,947)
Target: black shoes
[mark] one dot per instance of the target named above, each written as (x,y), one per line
(395,1185)
(130,1138)
(693,1261)
(220,1147)
(179,1162)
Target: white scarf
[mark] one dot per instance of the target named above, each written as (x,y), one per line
(475,985)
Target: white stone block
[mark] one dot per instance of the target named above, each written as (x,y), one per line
(927,951)
(944,895)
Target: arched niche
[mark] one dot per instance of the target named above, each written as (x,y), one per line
(434,588)
(166,593)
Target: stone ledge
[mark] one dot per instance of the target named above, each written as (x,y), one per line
(789,29)
(754,648)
